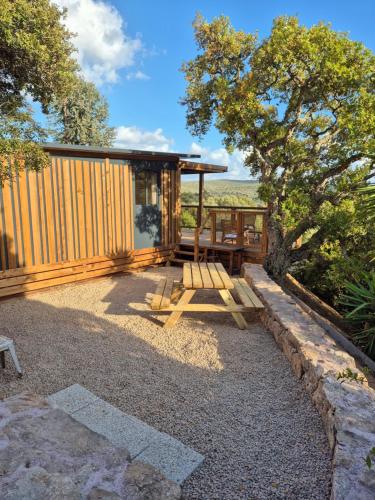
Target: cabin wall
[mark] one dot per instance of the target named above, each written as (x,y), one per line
(74,220)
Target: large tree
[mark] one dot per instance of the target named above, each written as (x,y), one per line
(36,63)
(301,104)
(81,117)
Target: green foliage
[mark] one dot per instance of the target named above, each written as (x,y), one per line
(345,253)
(81,117)
(18,136)
(348,374)
(367,208)
(35,60)
(359,301)
(370,457)
(187,219)
(301,104)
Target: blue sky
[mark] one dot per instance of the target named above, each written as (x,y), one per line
(133,50)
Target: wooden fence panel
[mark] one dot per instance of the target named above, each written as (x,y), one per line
(74,209)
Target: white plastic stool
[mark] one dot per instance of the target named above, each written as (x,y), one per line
(7,344)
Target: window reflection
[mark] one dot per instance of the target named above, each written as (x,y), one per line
(146,187)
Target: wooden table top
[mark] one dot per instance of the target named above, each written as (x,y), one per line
(206,275)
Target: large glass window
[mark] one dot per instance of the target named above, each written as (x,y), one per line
(147,212)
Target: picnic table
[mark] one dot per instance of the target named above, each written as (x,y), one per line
(205,276)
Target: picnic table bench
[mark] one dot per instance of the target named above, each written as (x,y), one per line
(204,276)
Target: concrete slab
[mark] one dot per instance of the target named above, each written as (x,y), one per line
(172,457)
(72,398)
(175,460)
(120,429)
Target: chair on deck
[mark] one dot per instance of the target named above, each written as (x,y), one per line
(228,231)
(249,229)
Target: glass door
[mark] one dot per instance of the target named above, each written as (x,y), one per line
(147,208)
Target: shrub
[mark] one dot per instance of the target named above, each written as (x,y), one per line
(187,219)
(359,301)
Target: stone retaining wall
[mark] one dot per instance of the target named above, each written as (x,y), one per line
(347,407)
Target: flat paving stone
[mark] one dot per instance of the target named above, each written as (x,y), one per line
(175,460)
(119,428)
(72,398)
(169,455)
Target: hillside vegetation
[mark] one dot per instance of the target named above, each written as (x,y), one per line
(224,192)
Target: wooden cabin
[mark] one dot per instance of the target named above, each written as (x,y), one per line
(92,212)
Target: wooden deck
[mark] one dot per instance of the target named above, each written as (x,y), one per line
(224,251)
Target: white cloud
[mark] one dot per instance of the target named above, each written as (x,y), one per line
(103,47)
(137,75)
(136,138)
(220,156)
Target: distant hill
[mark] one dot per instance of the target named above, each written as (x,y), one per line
(222,191)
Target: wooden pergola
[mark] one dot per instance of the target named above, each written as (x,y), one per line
(190,167)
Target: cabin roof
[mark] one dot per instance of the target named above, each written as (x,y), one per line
(188,167)
(57,148)
(192,167)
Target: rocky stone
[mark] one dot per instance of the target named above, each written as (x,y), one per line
(146,483)
(45,453)
(347,408)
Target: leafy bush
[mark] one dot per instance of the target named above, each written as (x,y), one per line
(345,254)
(359,301)
(187,219)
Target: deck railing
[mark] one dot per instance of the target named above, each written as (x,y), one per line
(190,222)
(241,225)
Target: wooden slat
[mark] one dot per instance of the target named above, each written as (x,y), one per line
(187,275)
(215,276)
(73,172)
(18,222)
(178,206)
(122,205)
(108,203)
(26,220)
(158,295)
(245,299)
(235,308)
(206,277)
(117,205)
(81,209)
(9,225)
(237,316)
(250,293)
(47,241)
(94,208)
(12,283)
(56,208)
(63,200)
(87,208)
(135,254)
(36,204)
(127,193)
(175,316)
(224,275)
(86,274)
(164,207)
(99,207)
(68,210)
(166,300)
(196,275)
(2,235)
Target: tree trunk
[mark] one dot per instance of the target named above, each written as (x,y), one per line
(278,258)
(277,262)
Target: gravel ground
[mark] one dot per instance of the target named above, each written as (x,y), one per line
(227,393)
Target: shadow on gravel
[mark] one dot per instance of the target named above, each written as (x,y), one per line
(246,413)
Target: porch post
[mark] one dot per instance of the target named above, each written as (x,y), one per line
(199,217)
